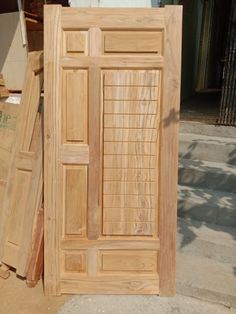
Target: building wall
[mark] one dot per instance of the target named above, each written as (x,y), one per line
(13,55)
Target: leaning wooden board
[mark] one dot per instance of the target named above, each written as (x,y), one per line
(23,194)
(112,87)
(8,119)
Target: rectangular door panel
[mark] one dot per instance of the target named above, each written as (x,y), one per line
(111,122)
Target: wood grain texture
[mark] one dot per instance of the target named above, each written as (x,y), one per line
(75,117)
(119,130)
(23,194)
(3,90)
(52,45)
(169,149)
(108,241)
(8,119)
(130,42)
(137,262)
(76,18)
(75,41)
(35,260)
(75,200)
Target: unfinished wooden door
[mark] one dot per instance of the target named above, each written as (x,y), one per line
(24,186)
(112,82)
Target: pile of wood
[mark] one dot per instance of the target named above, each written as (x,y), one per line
(21,179)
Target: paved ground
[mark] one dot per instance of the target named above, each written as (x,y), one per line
(17,298)
(140,305)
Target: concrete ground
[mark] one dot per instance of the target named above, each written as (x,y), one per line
(17,298)
(140,305)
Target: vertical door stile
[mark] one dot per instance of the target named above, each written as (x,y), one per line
(169,149)
(94,180)
(52,44)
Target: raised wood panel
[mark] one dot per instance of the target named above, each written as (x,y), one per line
(130,107)
(126,201)
(128,261)
(128,228)
(133,78)
(127,130)
(130,148)
(124,187)
(130,135)
(75,200)
(22,184)
(128,214)
(133,42)
(75,42)
(75,262)
(131,175)
(126,121)
(75,106)
(130,93)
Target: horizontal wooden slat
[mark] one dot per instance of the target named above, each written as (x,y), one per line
(114,62)
(130,121)
(148,284)
(127,228)
(74,18)
(74,154)
(131,77)
(133,42)
(127,244)
(122,161)
(128,214)
(130,93)
(135,188)
(130,107)
(135,175)
(139,201)
(129,148)
(133,135)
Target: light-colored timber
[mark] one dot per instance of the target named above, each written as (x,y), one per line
(23,193)
(112,85)
(8,119)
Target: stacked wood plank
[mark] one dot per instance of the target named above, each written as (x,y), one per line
(3,90)
(22,199)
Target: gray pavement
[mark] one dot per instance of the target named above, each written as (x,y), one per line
(140,305)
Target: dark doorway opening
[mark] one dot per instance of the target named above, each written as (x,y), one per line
(209,41)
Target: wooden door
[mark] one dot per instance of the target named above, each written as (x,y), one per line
(23,192)
(112,83)
(8,118)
